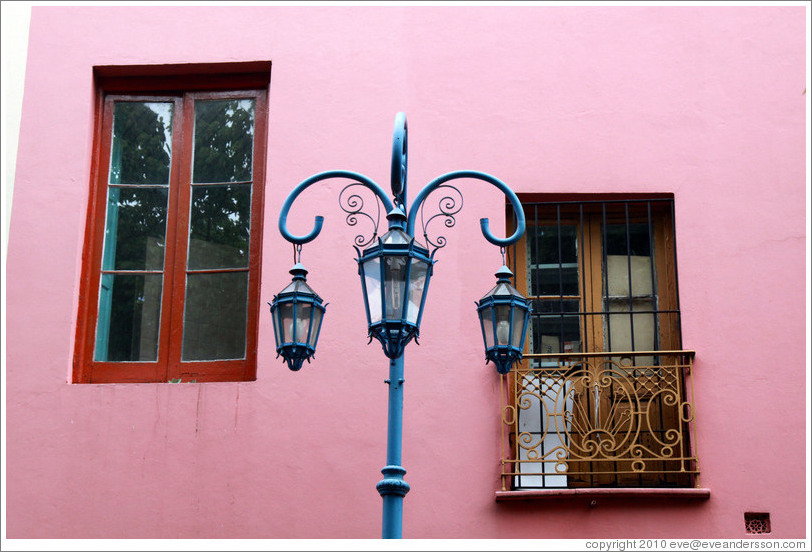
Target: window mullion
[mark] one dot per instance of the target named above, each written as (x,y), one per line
(178,244)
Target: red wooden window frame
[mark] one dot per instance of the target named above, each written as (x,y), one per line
(112,87)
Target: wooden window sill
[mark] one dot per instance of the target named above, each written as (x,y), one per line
(547,494)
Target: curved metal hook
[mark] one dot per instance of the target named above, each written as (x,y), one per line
(514,201)
(400,141)
(319,222)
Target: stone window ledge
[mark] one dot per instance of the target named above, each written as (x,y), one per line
(554,494)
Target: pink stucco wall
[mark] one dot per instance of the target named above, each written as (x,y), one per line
(703,102)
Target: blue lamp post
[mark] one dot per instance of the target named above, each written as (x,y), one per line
(395,270)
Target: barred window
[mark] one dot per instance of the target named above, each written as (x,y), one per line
(600,398)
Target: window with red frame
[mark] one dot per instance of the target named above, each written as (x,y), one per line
(172,254)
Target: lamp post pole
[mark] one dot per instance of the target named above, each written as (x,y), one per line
(395,272)
(392,487)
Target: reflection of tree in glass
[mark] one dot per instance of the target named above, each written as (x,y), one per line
(224,136)
(141,227)
(221,215)
(125,319)
(141,147)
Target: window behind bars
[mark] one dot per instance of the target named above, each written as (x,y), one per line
(600,398)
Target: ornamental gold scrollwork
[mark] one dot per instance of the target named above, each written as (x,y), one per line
(596,410)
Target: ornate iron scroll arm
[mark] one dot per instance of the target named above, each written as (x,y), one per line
(353,204)
(400,163)
(319,221)
(448,205)
(484,225)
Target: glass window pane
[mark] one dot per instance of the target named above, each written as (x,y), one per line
(277,325)
(620,336)
(135,231)
(554,280)
(636,243)
(224,141)
(552,257)
(314,332)
(142,143)
(487,326)
(518,327)
(394,275)
(129,317)
(372,283)
(628,275)
(543,243)
(215,316)
(417,285)
(285,314)
(219,226)
(303,312)
(502,324)
(555,327)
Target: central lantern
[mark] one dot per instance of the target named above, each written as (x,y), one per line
(395,275)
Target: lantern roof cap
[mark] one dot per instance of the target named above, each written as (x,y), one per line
(299,284)
(503,287)
(396,217)
(504,273)
(298,271)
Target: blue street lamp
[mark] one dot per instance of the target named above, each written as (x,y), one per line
(297,313)
(395,275)
(504,314)
(395,270)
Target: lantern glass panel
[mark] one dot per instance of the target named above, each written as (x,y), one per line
(518,327)
(314,332)
(394,275)
(303,311)
(487,326)
(277,333)
(417,287)
(372,285)
(396,236)
(286,321)
(502,324)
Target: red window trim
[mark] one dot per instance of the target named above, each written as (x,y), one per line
(112,87)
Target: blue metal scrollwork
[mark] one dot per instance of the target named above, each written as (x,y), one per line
(319,221)
(448,205)
(400,144)
(353,204)
(441,180)
(398,185)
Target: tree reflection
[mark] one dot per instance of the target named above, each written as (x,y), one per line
(220,218)
(135,229)
(224,141)
(142,146)
(140,230)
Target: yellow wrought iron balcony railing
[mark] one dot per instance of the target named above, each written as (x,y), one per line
(619,419)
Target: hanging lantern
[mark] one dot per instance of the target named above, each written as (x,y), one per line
(395,274)
(297,312)
(504,315)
